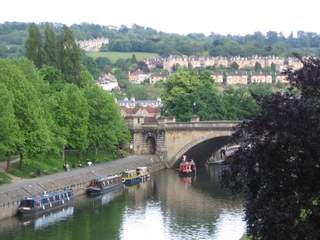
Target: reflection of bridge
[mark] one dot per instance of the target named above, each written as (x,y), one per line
(170,140)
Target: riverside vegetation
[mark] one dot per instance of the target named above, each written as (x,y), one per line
(52,112)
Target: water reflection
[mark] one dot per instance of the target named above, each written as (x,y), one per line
(51,218)
(166,207)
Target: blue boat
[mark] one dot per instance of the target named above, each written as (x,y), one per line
(130,177)
(104,185)
(48,201)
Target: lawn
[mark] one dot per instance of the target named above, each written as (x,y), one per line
(114,56)
(4,178)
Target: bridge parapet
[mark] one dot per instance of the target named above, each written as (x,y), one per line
(171,139)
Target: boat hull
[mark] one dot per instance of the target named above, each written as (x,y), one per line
(93,191)
(34,212)
(132,181)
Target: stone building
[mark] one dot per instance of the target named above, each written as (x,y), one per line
(108,82)
(138,76)
(93,45)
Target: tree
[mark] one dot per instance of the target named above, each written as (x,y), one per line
(69,57)
(50,47)
(257,67)
(106,127)
(187,93)
(278,164)
(8,125)
(34,135)
(234,66)
(33,45)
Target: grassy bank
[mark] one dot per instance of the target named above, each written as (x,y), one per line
(52,163)
(4,178)
(114,56)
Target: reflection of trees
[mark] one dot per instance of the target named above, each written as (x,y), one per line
(91,221)
(192,205)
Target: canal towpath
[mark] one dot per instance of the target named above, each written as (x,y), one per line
(77,179)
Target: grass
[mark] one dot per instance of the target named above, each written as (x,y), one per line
(52,163)
(114,56)
(4,178)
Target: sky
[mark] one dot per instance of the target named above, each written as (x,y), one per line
(175,16)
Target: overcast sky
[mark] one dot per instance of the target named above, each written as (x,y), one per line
(179,16)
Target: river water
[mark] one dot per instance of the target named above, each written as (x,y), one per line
(166,207)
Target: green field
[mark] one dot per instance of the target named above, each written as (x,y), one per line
(114,56)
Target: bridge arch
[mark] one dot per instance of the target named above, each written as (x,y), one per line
(210,143)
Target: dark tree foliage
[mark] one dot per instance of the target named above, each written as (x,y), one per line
(278,164)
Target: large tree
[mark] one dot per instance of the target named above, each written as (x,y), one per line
(70,110)
(278,164)
(69,59)
(50,47)
(187,93)
(34,135)
(8,125)
(106,127)
(33,45)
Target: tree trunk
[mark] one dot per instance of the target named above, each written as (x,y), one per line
(8,164)
(63,157)
(96,150)
(80,155)
(21,160)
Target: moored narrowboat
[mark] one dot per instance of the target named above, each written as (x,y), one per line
(48,201)
(130,177)
(143,173)
(103,185)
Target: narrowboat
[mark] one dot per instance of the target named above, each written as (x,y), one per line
(187,168)
(130,177)
(103,185)
(48,201)
(143,173)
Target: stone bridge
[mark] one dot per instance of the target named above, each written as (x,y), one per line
(171,140)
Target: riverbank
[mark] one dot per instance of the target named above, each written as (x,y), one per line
(78,179)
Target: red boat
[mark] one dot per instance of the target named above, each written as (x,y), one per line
(187,168)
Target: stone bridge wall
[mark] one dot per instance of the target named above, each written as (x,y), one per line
(175,138)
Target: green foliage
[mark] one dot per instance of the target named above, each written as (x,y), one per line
(187,93)
(140,39)
(8,124)
(278,163)
(69,57)
(106,127)
(34,135)
(50,47)
(41,114)
(34,48)
(4,178)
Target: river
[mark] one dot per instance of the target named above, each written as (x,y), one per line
(166,207)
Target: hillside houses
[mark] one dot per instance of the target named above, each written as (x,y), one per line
(93,45)
(108,82)
(243,62)
(140,110)
(138,76)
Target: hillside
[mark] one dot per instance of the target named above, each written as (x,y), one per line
(140,39)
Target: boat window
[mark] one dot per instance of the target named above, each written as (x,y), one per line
(27,203)
(51,199)
(56,197)
(44,200)
(69,194)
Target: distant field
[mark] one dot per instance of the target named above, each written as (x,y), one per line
(114,56)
